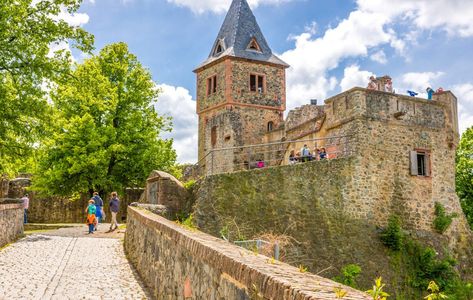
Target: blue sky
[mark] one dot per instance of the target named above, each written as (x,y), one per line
(331,45)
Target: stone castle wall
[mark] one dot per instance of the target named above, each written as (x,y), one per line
(177,263)
(11,221)
(385,129)
(322,206)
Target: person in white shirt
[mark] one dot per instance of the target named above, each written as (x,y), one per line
(26,206)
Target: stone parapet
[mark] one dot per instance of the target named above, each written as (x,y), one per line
(177,263)
(11,221)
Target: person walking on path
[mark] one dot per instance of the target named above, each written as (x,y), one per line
(114,206)
(91,210)
(99,215)
(26,205)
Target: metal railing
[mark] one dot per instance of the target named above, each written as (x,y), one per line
(233,159)
(259,246)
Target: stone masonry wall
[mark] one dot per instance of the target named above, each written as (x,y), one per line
(204,100)
(316,205)
(11,222)
(274,88)
(177,263)
(385,128)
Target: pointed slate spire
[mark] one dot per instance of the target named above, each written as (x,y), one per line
(241,36)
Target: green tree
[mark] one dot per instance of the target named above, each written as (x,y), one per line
(464,176)
(105,133)
(27,30)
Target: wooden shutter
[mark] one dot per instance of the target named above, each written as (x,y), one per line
(414,170)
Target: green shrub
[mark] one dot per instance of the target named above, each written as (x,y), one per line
(392,235)
(349,275)
(189,185)
(442,219)
(426,266)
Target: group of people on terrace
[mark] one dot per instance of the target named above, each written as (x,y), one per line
(305,155)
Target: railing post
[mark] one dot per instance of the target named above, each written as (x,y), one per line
(276,251)
(212,163)
(249,158)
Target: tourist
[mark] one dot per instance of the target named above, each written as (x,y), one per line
(26,205)
(292,158)
(99,215)
(114,206)
(316,153)
(305,153)
(91,220)
(322,154)
(298,157)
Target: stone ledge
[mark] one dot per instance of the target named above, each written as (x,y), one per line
(274,281)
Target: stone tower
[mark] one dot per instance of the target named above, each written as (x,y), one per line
(241,89)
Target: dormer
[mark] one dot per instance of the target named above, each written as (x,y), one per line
(253,45)
(219,47)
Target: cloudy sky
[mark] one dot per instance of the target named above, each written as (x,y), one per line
(331,45)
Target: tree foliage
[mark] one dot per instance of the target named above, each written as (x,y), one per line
(105,133)
(464,174)
(28,29)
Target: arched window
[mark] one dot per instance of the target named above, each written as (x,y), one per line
(213,136)
(270,126)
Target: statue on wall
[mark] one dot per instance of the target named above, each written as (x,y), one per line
(373,84)
(388,84)
(430,93)
(383,84)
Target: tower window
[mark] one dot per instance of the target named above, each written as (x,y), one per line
(270,126)
(213,136)
(420,163)
(257,83)
(211,85)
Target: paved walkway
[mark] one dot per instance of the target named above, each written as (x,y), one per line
(68,264)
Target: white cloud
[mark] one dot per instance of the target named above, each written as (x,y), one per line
(379,56)
(219,6)
(76,19)
(419,81)
(464,93)
(178,103)
(370,26)
(312,58)
(353,76)
(453,16)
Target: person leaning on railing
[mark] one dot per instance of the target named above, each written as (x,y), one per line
(322,154)
(292,158)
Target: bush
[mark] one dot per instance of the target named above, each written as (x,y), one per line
(349,275)
(392,235)
(189,185)
(442,219)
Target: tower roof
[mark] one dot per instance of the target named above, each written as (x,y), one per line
(240,36)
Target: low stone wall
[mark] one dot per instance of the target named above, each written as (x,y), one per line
(177,263)
(11,221)
(63,210)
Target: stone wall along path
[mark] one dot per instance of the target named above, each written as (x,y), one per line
(75,266)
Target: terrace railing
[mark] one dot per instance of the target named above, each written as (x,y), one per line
(233,159)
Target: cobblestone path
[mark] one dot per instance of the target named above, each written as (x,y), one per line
(67,267)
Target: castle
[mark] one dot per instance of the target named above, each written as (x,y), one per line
(404,147)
